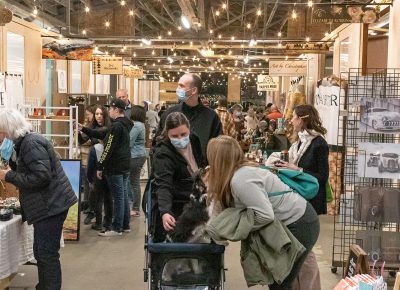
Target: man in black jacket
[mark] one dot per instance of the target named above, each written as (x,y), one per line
(114,162)
(203,121)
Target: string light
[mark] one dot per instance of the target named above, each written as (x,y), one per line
(217,13)
(294,14)
(224,6)
(248,25)
(219,36)
(123,3)
(35,11)
(307,39)
(211,31)
(131,13)
(179,27)
(279,34)
(230,52)
(232,38)
(87,9)
(170,32)
(134,54)
(259,12)
(107,23)
(84,32)
(286,57)
(159,37)
(153,52)
(310,3)
(279,45)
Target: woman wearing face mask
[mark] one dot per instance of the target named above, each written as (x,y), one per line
(177,157)
(309,154)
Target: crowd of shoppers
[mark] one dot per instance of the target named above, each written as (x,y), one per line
(189,136)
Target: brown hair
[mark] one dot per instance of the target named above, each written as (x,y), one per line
(222,101)
(224,156)
(173,120)
(138,114)
(311,118)
(197,82)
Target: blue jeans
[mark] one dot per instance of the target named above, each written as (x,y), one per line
(46,245)
(136,167)
(118,185)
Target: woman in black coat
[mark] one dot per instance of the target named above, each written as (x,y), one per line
(177,157)
(310,154)
(45,193)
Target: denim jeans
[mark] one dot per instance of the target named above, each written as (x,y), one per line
(46,245)
(118,185)
(103,197)
(136,167)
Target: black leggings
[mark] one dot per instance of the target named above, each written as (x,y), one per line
(306,231)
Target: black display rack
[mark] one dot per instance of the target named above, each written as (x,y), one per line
(375,85)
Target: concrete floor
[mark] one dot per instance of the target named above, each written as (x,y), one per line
(116,263)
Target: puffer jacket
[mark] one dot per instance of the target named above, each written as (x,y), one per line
(43,186)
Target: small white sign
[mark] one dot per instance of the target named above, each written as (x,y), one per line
(62,81)
(287,68)
(266,83)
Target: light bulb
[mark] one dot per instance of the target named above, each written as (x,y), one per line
(224,6)
(286,57)
(279,34)
(219,36)
(326,34)
(310,3)
(84,32)
(35,11)
(279,45)
(248,25)
(230,52)
(153,52)
(307,39)
(232,38)
(170,32)
(107,23)
(131,13)
(211,31)
(259,12)
(134,54)
(294,14)
(217,13)
(123,3)
(87,9)
(264,53)
(179,27)
(159,37)
(191,43)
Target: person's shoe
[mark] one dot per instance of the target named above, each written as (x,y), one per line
(109,233)
(88,218)
(97,227)
(127,230)
(135,213)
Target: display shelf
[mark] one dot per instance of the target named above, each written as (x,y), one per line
(366,90)
(54,126)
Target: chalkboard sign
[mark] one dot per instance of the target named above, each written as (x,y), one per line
(357,262)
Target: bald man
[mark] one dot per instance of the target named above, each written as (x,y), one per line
(122,94)
(203,121)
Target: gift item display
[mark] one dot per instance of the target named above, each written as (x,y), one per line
(9,207)
(362,282)
(369,214)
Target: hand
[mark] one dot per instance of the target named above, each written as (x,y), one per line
(288,165)
(3,173)
(80,126)
(168,222)
(99,174)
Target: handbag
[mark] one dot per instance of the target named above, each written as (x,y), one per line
(303,183)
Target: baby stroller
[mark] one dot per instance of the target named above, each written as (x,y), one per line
(178,266)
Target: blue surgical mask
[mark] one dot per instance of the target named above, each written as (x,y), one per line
(180,143)
(6,149)
(181,94)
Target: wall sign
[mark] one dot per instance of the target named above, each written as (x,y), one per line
(133,72)
(326,101)
(62,81)
(298,48)
(265,83)
(107,65)
(344,14)
(287,68)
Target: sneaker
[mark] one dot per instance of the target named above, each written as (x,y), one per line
(97,227)
(135,213)
(127,230)
(88,218)
(109,233)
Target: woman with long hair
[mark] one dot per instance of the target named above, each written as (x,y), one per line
(309,153)
(235,182)
(45,192)
(137,137)
(177,157)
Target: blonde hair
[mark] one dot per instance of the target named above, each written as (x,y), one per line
(224,156)
(13,124)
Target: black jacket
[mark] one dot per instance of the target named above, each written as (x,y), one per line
(172,180)
(117,154)
(203,121)
(315,162)
(43,186)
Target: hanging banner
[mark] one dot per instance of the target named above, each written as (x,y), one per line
(265,83)
(344,14)
(299,48)
(133,72)
(107,65)
(62,81)
(70,49)
(326,101)
(287,68)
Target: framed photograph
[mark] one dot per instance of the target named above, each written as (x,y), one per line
(379,160)
(254,147)
(72,168)
(377,204)
(380,115)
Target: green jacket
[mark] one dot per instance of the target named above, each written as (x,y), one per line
(267,254)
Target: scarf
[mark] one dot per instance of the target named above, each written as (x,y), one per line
(305,139)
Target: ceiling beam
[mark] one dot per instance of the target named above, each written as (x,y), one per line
(236,18)
(155,14)
(271,16)
(169,12)
(201,11)
(264,32)
(243,9)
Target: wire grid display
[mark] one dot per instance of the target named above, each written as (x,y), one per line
(375,84)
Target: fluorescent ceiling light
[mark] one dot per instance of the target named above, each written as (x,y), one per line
(146,41)
(185,22)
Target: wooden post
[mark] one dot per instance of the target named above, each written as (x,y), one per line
(397,282)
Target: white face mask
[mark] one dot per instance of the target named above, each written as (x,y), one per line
(180,143)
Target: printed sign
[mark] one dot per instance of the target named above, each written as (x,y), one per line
(287,68)
(298,48)
(344,14)
(107,65)
(266,83)
(133,72)
(62,81)
(326,101)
